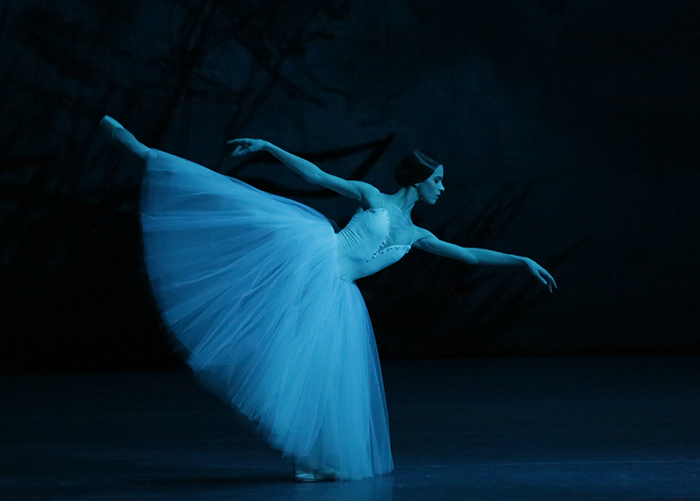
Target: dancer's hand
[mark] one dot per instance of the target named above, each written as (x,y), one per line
(244,146)
(540,274)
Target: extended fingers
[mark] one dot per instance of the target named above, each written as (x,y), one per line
(238,140)
(547,283)
(542,275)
(545,278)
(549,280)
(241,146)
(246,143)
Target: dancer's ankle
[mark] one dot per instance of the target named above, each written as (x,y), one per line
(124,138)
(127,140)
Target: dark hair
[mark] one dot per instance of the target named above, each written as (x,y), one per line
(414,168)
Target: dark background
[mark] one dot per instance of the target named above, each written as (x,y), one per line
(568,131)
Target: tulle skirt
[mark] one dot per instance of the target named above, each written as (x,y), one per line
(247,283)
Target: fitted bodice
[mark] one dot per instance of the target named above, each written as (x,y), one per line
(362,248)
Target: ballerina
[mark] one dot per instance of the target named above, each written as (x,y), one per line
(259,292)
(420,178)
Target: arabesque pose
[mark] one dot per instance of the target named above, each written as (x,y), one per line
(259,291)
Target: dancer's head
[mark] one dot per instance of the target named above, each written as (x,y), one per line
(423,172)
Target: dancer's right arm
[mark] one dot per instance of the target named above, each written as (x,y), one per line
(367,194)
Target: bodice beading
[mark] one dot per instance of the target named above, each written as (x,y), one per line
(361,245)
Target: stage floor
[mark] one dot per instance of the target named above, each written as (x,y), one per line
(603,428)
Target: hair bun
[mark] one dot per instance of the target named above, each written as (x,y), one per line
(415,168)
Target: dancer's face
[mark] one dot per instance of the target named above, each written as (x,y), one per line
(430,189)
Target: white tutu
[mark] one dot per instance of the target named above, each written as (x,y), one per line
(248,284)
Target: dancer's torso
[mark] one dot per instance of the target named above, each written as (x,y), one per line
(368,243)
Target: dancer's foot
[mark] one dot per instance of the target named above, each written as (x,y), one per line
(124,138)
(110,124)
(303,474)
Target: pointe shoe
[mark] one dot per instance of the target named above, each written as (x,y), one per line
(302,474)
(125,139)
(110,125)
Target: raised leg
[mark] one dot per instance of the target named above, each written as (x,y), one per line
(124,138)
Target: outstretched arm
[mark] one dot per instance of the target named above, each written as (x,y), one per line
(366,193)
(430,243)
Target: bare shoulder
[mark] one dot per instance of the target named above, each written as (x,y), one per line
(422,237)
(369,195)
(359,190)
(372,197)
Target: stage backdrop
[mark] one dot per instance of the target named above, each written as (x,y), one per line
(568,131)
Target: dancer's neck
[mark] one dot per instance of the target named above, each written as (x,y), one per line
(405,199)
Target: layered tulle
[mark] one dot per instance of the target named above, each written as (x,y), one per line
(247,283)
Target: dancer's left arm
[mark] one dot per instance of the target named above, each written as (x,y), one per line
(471,255)
(367,194)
